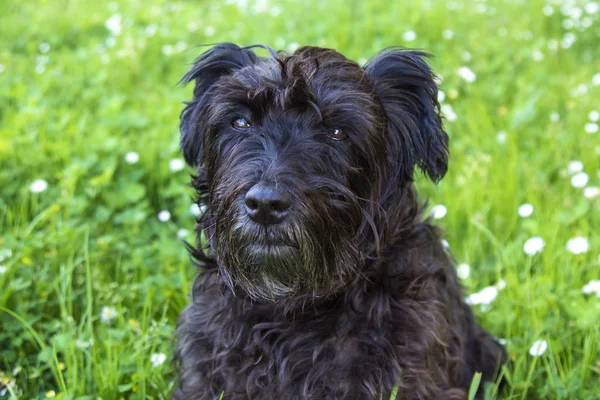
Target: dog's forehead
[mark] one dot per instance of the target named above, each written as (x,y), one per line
(316,75)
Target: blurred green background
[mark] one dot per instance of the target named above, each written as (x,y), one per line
(94,202)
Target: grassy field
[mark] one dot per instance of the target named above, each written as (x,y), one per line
(94,202)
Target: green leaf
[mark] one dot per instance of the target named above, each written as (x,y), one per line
(474,385)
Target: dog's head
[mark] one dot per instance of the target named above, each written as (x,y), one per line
(302,158)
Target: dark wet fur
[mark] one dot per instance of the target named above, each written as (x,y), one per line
(353,294)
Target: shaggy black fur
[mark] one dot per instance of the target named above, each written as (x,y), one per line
(346,291)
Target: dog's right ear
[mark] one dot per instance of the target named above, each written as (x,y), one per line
(223,59)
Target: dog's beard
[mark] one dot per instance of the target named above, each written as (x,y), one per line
(294,259)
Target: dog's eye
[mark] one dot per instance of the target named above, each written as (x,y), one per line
(241,123)
(337,134)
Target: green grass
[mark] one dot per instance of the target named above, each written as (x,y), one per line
(93,239)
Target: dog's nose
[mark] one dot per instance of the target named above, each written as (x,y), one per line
(266,205)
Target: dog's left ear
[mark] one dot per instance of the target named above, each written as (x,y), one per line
(405,85)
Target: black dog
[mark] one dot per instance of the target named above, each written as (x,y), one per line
(321,280)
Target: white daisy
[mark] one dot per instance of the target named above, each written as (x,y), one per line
(113,24)
(467,74)
(448,34)
(38,186)
(592,7)
(195,210)
(157,359)
(596,79)
(463,271)
(525,210)
(132,157)
(592,287)
(591,192)
(538,348)
(182,233)
(579,180)
(578,245)
(176,164)
(534,245)
(164,216)
(448,112)
(548,10)
(591,127)
(441,96)
(574,167)
(209,30)
(501,137)
(409,36)
(107,314)
(594,115)
(485,296)
(438,211)
(44,47)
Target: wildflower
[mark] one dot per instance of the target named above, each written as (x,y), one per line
(181,233)
(151,30)
(38,186)
(164,216)
(83,344)
(501,284)
(448,34)
(195,210)
(592,287)
(537,55)
(578,245)
(591,127)
(463,271)
(409,36)
(534,245)
(157,359)
(448,112)
(596,79)
(293,46)
(538,348)
(484,297)
(113,24)
(439,211)
(5,253)
(107,314)
(548,10)
(176,164)
(209,30)
(525,210)
(167,50)
(579,180)
(592,7)
(50,394)
(467,74)
(44,47)
(574,167)
(501,137)
(132,157)
(441,96)
(591,192)
(594,115)
(3,269)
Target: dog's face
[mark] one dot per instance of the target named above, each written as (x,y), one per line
(301,156)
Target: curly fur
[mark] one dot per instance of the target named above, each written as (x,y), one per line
(358,296)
